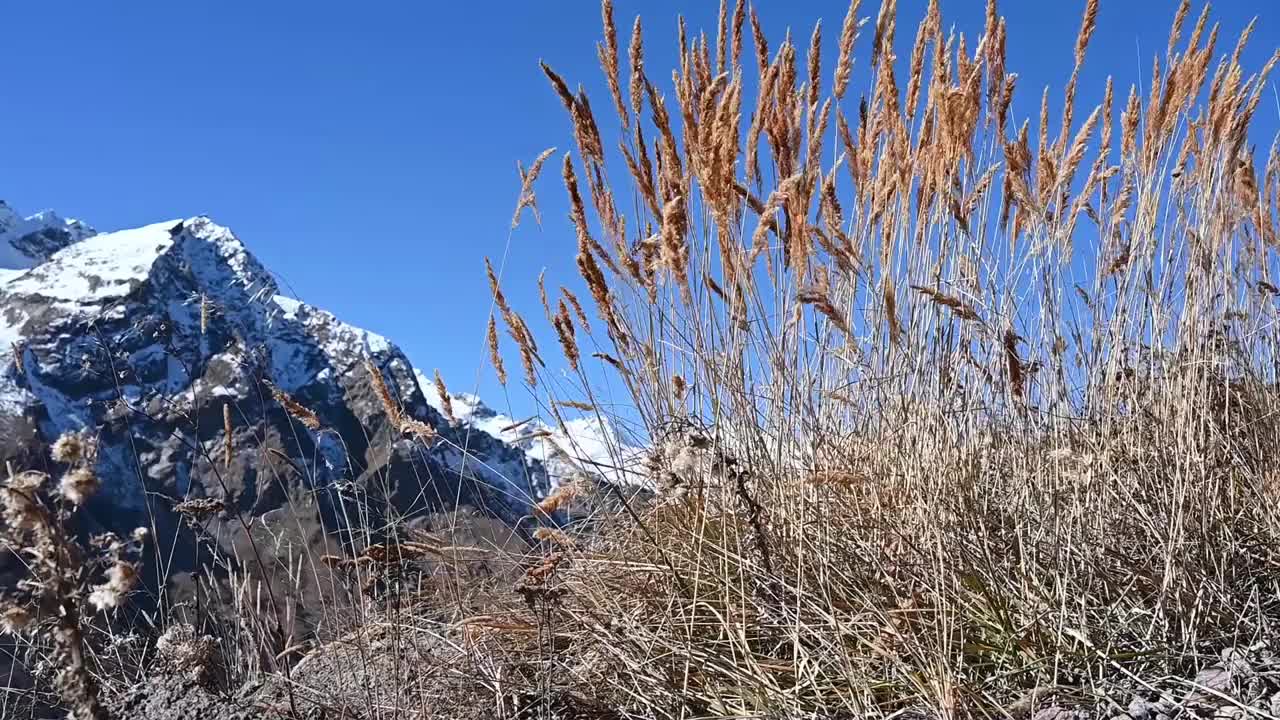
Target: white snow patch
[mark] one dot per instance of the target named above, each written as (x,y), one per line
(98,268)
(343,338)
(288,305)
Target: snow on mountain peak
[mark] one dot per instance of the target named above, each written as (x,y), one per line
(27,241)
(97,268)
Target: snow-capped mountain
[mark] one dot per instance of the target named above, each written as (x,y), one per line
(28,241)
(158,339)
(586,445)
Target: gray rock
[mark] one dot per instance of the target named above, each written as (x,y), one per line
(165,697)
(1060,713)
(1142,709)
(1216,678)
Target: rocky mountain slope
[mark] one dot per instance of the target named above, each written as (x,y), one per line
(168,344)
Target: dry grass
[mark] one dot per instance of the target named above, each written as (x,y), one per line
(1046,466)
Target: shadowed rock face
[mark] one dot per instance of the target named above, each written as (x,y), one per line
(145,337)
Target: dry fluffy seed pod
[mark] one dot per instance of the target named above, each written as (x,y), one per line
(14,619)
(78,485)
(18,500)
(122,578)
(102,598)
(72,448)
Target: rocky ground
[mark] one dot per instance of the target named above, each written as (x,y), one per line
(419,668)
(422,672)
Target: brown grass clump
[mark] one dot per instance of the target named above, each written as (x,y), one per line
(1019,475)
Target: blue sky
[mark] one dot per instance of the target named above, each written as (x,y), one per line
(366,152)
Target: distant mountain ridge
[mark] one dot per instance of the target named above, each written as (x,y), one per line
(586,445)
(28,241)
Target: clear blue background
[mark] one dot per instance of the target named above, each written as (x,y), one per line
(366,151)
